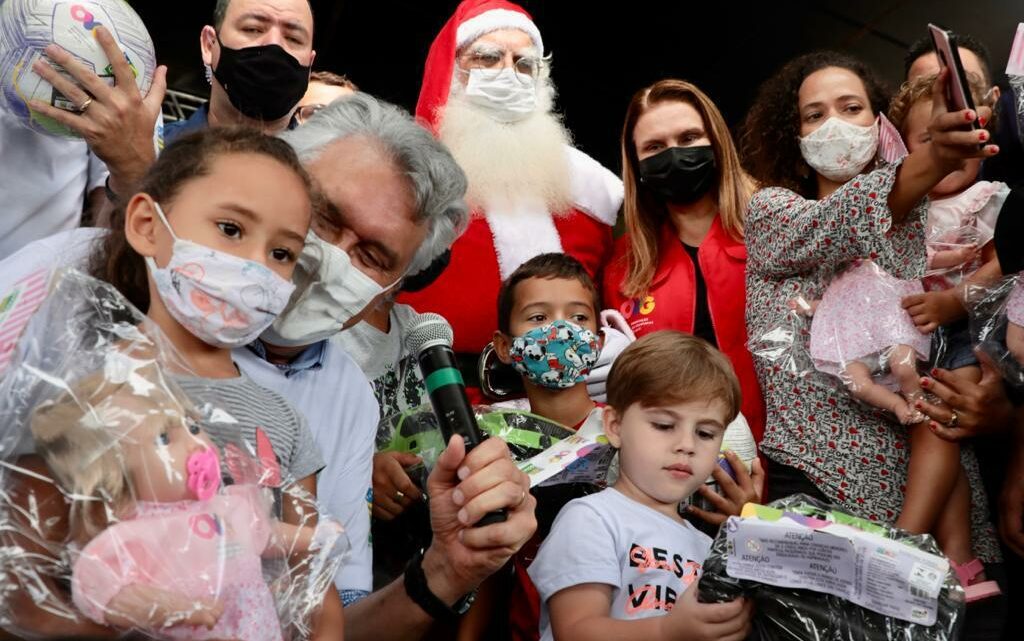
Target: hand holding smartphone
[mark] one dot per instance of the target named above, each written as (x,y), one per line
(958,91)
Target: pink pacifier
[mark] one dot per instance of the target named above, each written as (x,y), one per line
(204,473)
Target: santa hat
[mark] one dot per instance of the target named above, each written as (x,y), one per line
(472,19)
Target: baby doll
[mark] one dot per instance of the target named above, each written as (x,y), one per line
(165,550)
(859,325)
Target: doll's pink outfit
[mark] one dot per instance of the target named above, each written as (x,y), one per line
(861,316)
(199,549)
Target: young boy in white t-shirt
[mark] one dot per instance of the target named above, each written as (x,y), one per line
(623,564)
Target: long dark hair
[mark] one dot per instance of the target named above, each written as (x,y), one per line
(769,136)
(187,158)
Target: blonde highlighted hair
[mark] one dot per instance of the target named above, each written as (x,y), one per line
(644,214)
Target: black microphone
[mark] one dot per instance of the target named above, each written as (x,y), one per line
(430,339)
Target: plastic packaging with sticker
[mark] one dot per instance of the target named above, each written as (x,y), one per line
(997,325)
(814,573)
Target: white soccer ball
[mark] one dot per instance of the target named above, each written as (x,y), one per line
(28,26)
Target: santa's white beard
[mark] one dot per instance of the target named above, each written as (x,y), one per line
(509,165)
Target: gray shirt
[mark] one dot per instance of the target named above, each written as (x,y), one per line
(232,409)
(390,368)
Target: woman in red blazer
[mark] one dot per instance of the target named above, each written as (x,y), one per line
(681,265)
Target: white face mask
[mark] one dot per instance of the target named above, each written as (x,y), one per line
(839,150)
(331,292)
(507,97)
(223,300)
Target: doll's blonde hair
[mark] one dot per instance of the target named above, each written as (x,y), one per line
(79,435)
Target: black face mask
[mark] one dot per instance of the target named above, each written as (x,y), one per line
(263,82)
(679,174)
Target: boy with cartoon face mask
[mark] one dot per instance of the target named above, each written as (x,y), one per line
(547,330)
(548,311)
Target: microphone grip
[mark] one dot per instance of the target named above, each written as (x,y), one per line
(447,392)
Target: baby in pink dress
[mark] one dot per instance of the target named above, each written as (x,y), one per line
(181,557)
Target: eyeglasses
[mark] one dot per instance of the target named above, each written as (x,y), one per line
(493,61)
(306,112)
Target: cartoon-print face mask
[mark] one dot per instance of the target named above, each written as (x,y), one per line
(557,355)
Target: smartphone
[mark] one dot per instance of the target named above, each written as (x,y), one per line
(958,92)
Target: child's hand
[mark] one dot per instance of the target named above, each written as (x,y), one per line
(691,620)
(932,309)
(747,488)
(393,490)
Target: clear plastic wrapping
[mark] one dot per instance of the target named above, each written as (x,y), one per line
(551,453)
(822,574)
(118,509)
(997,324)
(857,337)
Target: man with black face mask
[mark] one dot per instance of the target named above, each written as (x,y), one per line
(258,56)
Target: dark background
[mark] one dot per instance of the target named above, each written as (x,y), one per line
(604,51)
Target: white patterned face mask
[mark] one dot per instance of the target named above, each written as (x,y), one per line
(223,300)
(839,150)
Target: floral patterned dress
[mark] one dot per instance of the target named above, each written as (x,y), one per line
(796,247)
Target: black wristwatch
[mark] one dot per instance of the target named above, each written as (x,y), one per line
(418,590)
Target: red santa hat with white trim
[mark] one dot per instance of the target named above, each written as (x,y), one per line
(472,19)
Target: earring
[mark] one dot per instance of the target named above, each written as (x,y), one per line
(208,70)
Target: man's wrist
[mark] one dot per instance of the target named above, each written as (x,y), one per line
(439,580)
(119,185)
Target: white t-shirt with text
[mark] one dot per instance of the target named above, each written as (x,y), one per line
(647,558)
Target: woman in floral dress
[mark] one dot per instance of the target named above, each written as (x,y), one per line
(810,140)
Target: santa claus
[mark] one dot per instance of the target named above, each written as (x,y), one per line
(488,95)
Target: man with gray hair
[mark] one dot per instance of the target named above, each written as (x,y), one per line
(395,208)
(392,202)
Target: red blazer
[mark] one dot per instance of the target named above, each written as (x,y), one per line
(671,301)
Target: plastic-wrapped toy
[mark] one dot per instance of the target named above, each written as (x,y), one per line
(815,574)
(997,324)
(110,487)
(416,431)
(1015,319)
(860,328)
(161,566)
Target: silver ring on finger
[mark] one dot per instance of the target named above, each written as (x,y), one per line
(84,106)
(954,419)
(399,495)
